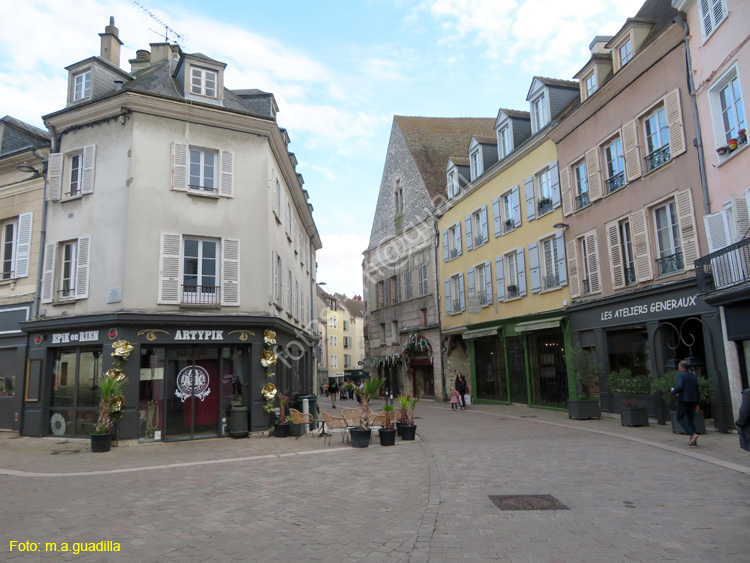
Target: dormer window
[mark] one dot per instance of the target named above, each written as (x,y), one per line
(476,165)
(82,86)
(503,142)
(625,52)
(539,112)
(590,84)
(203,82)
(452,183)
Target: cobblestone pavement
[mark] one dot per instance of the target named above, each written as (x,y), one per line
(632,495)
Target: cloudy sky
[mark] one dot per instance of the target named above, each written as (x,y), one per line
(340,71)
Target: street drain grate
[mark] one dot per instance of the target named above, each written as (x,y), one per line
(65,452)
(527,502)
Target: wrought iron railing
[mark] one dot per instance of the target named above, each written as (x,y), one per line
(629,275)
(657,158)
(615,182)
(454,252)
(582,200)
(670,264)
(544,205)
(512,291)
(67,291)
(551,281)
(200,294)
(724,268)
(478,240)
(508,226)
(485,298)
(457,306)
(7,275)
(586,286)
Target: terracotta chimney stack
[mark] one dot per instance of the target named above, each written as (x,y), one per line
(110,50)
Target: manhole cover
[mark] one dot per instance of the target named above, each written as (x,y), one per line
(527,502)
(65,452)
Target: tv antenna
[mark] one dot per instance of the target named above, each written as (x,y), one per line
(177,37)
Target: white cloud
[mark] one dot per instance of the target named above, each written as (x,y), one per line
(340,263)
(301,165)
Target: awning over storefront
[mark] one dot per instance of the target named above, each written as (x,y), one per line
(453,331)
(529,326)
(480,333)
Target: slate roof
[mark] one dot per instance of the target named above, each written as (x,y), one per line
(515,114)
(485,140)
(16,135)
(460,160)
(556,82)
(660,12)
(433,140)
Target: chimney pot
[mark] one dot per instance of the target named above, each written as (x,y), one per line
(110,43)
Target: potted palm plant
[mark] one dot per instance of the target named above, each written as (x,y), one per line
(408,428)
(283,426)
(666,383)
(361,435)
(632,389)
(388,433)
(585,373)
(111,399)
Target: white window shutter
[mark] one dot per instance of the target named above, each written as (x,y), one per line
(677,144)
(488,281)
(461,297)
(641,249)
(592,258)
(592,171)
(554,180)
(89,169)
(54,176)
(226,185)
(631,151)
(717,230)
(446,252)
(483,220)
(170,266)
(688,232)
(561,269)
(275,280)
(448,296)
(726,268)
(82,267)
(458,237)
(573,277)
(496,217)
(48,273)
(566,194)
(535,279)
(617,269)
(282,285)
(230,272)
(500,278)
(515,199)
(741,216)
(179,167)
(528,188)
(23,246)
(521,268)
(469,242)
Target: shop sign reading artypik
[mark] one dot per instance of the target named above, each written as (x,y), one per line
(192,381)
(199,335)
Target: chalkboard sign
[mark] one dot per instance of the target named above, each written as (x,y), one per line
(33,380)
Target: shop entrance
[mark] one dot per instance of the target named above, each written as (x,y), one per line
(193,394)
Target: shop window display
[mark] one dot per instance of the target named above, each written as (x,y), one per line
(74,399)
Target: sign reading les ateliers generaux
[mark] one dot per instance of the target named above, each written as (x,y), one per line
(639,310)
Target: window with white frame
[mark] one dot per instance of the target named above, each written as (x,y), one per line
(452,183)
(477,232)
(423,289)
(203,170)
(542,185)
(626,248)
(71,174)
(458,292)
(408,292)
(277,199)
(278,280)
(288,223)
(289,291)
(203,82)
(728,111)
(333,322)
(550,263)
(346,325)
(539,111)
(507,208)
(68,261)
(583,252)
(590,84)
(454,238)
(506,211)
(503,141)
(483,280)
(200,279)
(512,289)
(347,342)
(712,13)
(614,165)
(66,270)
(334,361)
(334,341)
(9,236)
(656,134)
(581,184)
(347,361)
(667,230)
(476,164)
(82,85)
(75,173)
(625,52)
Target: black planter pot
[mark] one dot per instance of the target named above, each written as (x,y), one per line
(634,416)
(297,429)
(101,443)
(282,430)
(398,428)
(387,437)
(699,422)
(360,438)
(584,409)
(408,432)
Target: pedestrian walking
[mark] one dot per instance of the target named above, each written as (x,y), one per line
(461,388)
(688,395)
(454,399)
(333,389)
(743,420)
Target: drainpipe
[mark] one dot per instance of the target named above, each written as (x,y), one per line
(55,147)
(436,235)
(680,20)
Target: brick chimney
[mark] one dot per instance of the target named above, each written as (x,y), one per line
(111,43)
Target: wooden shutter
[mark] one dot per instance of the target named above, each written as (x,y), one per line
(446,248)
(274,277)
(566,193)
(48,273)
(631,151)
(230,272)
(467,222)
(554,179)
(641,250)
(741,216)
(483,221)
(54,176)
(535,277)
(561,269)
(500,278)
(82,267)
(89,162)
(23,246)
(616,266)
(488,281)
(470,279)
(448,296)
(688,233)
(496,221)
(461,297)
(226,185)
(179,167)
(170,266)
(515,198)
(677,144)
(276,187)
(458,237)
(592,258)
(592,171)
(528,189)
(521,269)
(574,279)
(724,267)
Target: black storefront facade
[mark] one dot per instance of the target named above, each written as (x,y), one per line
(12,363)
(647,331)
(183,372)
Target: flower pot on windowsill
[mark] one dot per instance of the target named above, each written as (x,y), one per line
(732,144)
(721,151)
(742,134)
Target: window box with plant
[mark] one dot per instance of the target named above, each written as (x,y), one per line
(585,374)
(633,390)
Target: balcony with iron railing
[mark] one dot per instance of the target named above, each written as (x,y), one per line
(508,226)
(582,200)
(200,295)
(485,298)
(670,264)
(457,306)
(551,281)
(7,275)
(658,158)
(512,291)
(478,240)
(629,275)
(454,252)
(724,268)
(544,206)
(615,182)
(586,286)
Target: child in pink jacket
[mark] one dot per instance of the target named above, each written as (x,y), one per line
(454,399)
